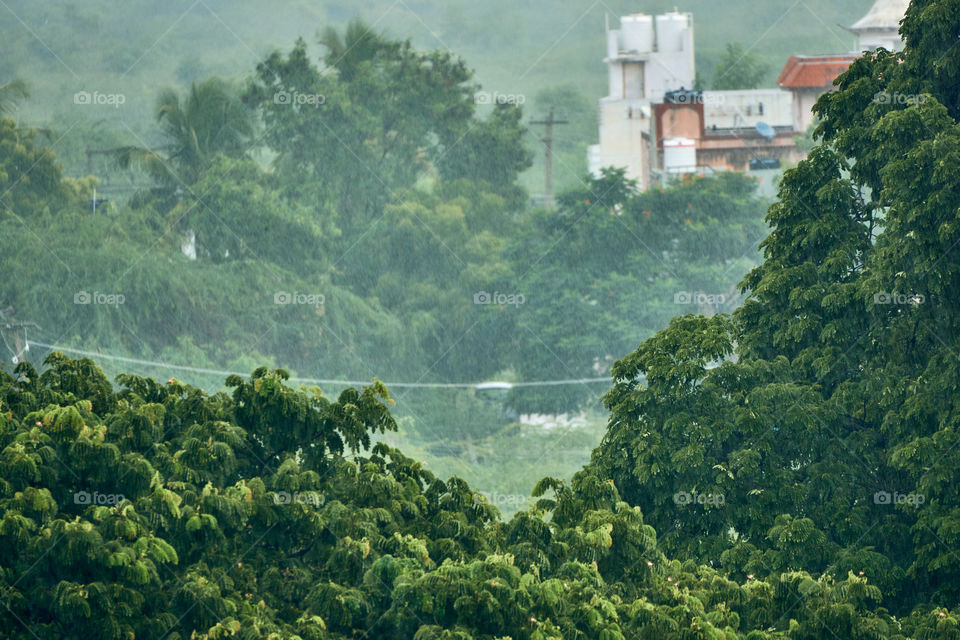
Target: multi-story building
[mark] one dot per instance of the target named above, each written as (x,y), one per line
(646,57)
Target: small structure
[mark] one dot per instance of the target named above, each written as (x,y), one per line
(807,78)
(710,131)
(881,26)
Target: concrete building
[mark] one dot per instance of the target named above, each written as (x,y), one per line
(710,131)
(880,27)
(646,57)
(654,126)
(807,78)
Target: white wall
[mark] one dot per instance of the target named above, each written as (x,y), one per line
(742,108)
(625,127)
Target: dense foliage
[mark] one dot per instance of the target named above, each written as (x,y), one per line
(824,410)
(392,206)
(787,470)
(155,510)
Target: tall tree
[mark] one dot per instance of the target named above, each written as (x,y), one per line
(379,117)
(210,120)
(822,410)
(738,68)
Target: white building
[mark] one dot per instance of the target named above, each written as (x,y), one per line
(809,77)
(747,108)
(646,57)
(879,28)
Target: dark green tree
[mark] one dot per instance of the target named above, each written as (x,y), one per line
(822,409)
(155,510)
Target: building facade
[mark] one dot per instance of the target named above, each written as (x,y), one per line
(881,26)
(646,57)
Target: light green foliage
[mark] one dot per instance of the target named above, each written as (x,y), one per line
(155,510)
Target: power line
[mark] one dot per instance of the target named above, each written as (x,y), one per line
(20,342)
(398,385)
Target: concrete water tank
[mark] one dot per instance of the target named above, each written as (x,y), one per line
(679,154)
(636,33)
(613,43)
(671,30)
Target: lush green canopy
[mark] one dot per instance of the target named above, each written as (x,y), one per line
(825,409)
(154,510)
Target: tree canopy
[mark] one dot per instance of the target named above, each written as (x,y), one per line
(824,409)
(155,510)
(739,68)
(787,469)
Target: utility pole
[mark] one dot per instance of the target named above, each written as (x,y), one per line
(548,144)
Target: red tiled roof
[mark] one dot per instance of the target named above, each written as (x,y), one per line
(813,71)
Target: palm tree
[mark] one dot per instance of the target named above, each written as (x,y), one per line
(358,44)
(210,120)
(11,94)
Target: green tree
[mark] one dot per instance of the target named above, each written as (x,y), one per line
(31,181)
(630,261)
(821,409)
(379,119)
(738,68)
(154,510)
(209,121)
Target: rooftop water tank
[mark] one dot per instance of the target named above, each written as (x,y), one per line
(636,33)
(679,155)
(671,29)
